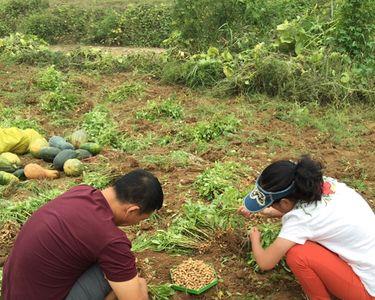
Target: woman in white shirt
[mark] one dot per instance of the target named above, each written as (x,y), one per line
(327,234)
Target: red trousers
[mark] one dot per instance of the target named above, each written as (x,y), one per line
(323,273)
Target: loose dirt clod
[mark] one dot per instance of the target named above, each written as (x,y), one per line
(193,274)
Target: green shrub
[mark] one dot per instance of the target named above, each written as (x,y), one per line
(45,25)
(105,30)
(4,28)
(355,30)
(239,24)
(199,21)
(95,59)
(201,70)
(74,22)
(144,25)
(17,8)
(28,49)
(49,79)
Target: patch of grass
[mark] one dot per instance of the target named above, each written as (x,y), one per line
(131,144)
(214,181)
(355,175)
(272,140)
(99,174)
(212,129)
(11,117)
(341,124)
(177,158)
(100,126)
(104,4)
(59,100)
(20,211)
(60,121)
(168,108)
(126,91)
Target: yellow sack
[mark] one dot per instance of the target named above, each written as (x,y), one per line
(17,140)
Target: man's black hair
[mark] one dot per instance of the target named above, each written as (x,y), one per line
(142,188)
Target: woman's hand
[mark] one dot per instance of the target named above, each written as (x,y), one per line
(270,212)
(255,235)
(244,212)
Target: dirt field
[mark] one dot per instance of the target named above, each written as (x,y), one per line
(267,131)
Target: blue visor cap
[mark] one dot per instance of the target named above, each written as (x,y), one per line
(258,199)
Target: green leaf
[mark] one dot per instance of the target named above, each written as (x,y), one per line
(228,71)
(345,77)
(213,52)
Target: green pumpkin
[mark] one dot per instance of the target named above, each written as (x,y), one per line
(7,178)
(7,166)
(48,154)
(93,148)
(78,138)
(12,158)
(62,157)
(73,167)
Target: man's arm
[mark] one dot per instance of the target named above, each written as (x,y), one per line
(134,289)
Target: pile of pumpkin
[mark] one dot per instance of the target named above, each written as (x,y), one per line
(65,155)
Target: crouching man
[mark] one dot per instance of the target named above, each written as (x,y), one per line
(71,248)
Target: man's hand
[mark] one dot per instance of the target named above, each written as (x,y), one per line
(134,289)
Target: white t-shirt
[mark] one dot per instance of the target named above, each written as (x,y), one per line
(343,222)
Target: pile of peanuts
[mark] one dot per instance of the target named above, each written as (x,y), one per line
(193,274)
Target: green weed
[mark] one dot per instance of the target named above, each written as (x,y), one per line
(210,130)
(195,226)
(270,232)
(11,117)
(272,140)
(131,144)
(60,95)
(355,175)
(99,174)
(340,123)
(177,158)
(214,181)
(161,291)
(100,126)
(125,91)
(50,79)
(166,109)
(59,100)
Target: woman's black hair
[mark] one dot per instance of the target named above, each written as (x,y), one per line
(307,175)
(142,188)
